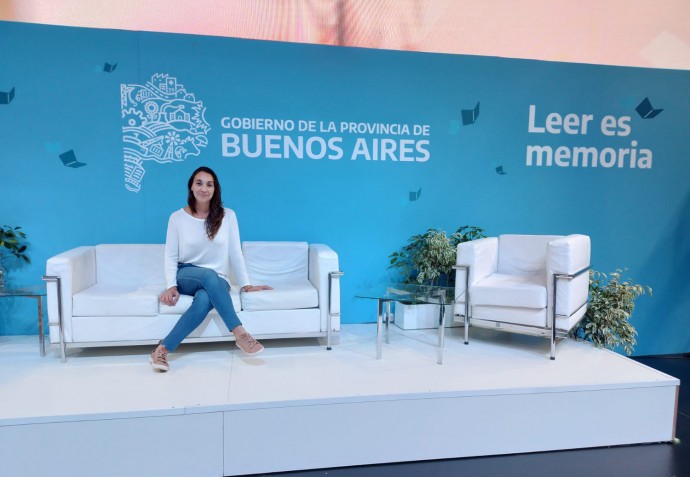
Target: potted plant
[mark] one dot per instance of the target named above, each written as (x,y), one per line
(12,246)
(428,259)
(611,304)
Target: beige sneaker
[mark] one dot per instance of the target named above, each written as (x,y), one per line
(249,345)
(159,358)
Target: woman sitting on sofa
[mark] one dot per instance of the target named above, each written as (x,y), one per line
(202,242)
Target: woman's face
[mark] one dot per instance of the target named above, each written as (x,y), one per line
(203,187)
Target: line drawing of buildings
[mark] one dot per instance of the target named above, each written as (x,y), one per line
(161,122)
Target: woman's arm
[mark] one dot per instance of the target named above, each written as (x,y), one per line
(171,258)
(253,288)
(235,250)
(170,296)
(172,253)
(236,256)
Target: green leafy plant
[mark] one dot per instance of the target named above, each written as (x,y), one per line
(611,304)
(428,258)
(12,245)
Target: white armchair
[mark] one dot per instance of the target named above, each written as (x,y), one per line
(523,283)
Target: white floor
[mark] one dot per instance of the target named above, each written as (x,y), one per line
(498,375)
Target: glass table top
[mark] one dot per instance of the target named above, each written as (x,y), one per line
(33,290)
(409,293)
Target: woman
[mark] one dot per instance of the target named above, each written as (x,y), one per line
(202,242)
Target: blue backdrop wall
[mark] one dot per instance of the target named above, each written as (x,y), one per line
(355,148)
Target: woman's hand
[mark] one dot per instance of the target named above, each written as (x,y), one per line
(253,288)
(170,296)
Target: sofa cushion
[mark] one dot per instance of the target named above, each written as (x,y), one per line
(510,290)
(269,263)
(185,302)
(284,296)
(133,264)
(523,254)
(117,300)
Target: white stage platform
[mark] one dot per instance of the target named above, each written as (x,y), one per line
(299,406)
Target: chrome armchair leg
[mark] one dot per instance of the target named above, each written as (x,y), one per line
(466,268)
(556,277)
(332,276)
(58,282)
(388,322)
(467,321)
(441,332)
(553,317)
(379,326)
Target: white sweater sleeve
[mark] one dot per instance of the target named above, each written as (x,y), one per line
(235,250)
(172,252)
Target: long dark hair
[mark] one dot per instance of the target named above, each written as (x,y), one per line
(216,211)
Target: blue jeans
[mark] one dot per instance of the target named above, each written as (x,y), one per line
(209,292)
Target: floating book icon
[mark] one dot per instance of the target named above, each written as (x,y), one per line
(108,68)
(646,111)
(500,171)
(415,195)
(69,159)
(6,97)
(469,116)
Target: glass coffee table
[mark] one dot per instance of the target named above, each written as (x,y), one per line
(37,292)
(412,294)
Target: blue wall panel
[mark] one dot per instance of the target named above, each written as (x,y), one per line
(475,173)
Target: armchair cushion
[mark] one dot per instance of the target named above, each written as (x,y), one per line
(568,255)
(523,255)
(481,256)
(510,290)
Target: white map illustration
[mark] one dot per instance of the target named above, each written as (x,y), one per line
(161,122)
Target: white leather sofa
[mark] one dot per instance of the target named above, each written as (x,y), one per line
(107,295)
(531,284)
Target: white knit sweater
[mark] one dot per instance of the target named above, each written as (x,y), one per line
(187,242)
